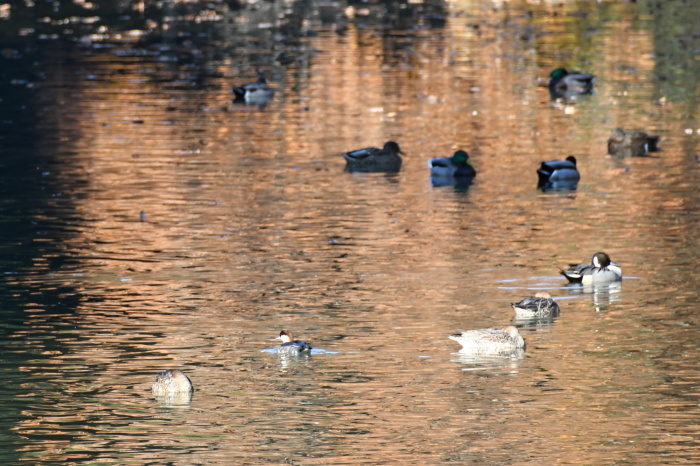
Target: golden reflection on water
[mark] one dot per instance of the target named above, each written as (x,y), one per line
(251,225)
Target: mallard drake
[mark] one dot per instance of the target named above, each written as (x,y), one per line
(569,85)
(630,143)
(600,270)
(456,166)
(290,346)
(557,174)
(372,159)
(540,305)
(171,382)
(490,341)
(257,93)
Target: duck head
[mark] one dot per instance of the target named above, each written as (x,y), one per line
(393,147)
(600,260)
(460,158)
(558,74)
(285,336)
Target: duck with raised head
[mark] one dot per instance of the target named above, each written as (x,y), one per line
(257,93)
(457,166)
(601,270)
(171,382)
(290,346)
(557,174)
(490,341)
(540,305)
(630,143)
(569,85)
(373,159)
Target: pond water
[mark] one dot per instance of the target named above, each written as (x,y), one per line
(150,223)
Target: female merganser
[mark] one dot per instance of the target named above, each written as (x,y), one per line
(290,346)
(372,159)
(540,305)
(600,270)
(171,382)
(490,341)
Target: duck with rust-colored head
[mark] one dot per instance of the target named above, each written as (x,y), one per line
(373,159)
(290,346)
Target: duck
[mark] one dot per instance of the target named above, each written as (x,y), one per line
(569,85)
(540,305)
(372,159)
(601,270)
(290,346)
(558,174)
(490,341)
(456,166)
(171,382)
(257,93)
(629,143)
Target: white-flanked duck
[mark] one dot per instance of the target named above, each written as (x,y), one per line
(372,159)
(558,174)
(257,93)
(540,305)
(490,341)
(290,346)
(601,270)
(457,166)
(569,84)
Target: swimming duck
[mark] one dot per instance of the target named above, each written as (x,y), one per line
(558,174)
(600,270)
(540,305)
(290,346)
(371,159)
(631,143)
(257,93)
(569,85)
(171,382)
(456,166)
(490,341)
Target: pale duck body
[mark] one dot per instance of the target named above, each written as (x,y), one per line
(373,159)
(490,341)
(601,270)
(171,382)
(558,174)
(257,93)
(290,346)
(540,305)
(457,166)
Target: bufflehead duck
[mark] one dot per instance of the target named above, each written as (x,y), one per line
(490,341)
(290,346)
(372,159)
(600,270)
(558,174)
(540,305)
(456,166)
(171,382)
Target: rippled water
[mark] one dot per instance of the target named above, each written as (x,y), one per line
(149,223)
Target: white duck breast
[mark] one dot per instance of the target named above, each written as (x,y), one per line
(540,305)
(601,270)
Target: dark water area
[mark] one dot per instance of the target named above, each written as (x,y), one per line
(151,223)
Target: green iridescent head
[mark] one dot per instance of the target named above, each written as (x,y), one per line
(559,73)
(460,157)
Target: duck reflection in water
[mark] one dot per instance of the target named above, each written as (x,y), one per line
(603,294)
(172,387)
